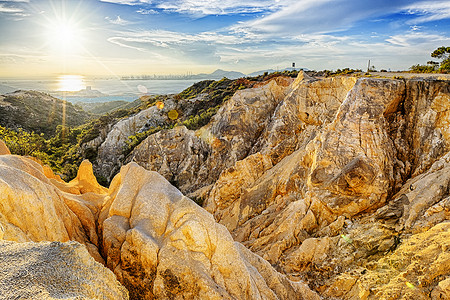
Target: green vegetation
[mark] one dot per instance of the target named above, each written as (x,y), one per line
(338,72)
(39,112)
(201,119)
(59,152)
(134,140)
(102,107)
(442,53)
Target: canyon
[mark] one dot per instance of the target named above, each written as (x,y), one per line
(313,188)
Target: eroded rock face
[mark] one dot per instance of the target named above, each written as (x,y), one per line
(342,183)
(110,152)
(40,271)
(162,245)
(159,243)
(193,160)
(310,104)
(312,211)
(3,148)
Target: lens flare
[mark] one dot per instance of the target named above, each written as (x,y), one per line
(159,105)
(142,89)
(173,114)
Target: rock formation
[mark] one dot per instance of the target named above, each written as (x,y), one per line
(159,243)
(54,270)
(162,245)
(110,151)
(335,159)
(342,183)
(192,160)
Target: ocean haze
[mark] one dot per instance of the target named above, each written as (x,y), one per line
(114,89)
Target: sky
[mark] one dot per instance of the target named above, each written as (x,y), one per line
(135,37)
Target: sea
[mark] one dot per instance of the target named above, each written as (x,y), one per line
(111,89)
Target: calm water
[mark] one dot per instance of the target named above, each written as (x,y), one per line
(115,89)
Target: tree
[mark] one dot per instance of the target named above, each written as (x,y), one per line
(444,54)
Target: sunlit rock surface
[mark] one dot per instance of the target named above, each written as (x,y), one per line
(341,171)
(193,160)
(300,212)
(341,183)
(3,148)
(162,245)
(159,243)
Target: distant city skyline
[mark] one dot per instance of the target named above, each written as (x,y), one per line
(137,37)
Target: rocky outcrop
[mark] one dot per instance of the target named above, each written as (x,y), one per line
(312,213)
(193,160)
(54,271)
(159,243)
(342,183)
(111,150)
(3,148)
(310,105)
(162,245)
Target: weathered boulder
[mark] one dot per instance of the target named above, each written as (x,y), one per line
(159,243)
(54,270)
(162,245)
(37,208)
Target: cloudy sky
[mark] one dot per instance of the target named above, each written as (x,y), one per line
(125,37)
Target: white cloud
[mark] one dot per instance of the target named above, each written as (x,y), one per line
(147,11)
(117,21)
(429,11)
(9,9)
(319,16)
(419,40)
(13,11)
(221,7)
(128,2)
(209,7)
(166,39)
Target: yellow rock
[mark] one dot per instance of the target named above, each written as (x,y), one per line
(3,148)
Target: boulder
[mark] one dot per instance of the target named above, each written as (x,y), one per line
(162,245)
(54,270)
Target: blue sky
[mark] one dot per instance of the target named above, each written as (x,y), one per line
(124,37)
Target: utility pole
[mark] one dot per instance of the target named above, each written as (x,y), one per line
(368,67)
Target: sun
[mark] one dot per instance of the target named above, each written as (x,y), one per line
(64,36)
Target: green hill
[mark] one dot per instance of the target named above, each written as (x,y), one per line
(38,112)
